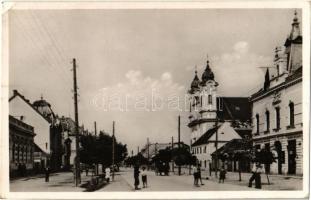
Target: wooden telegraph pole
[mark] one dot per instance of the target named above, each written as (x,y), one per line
(95,128)
(179,167)
(148,156)
(172,154)
(216,146)
(77,160)
(113,149)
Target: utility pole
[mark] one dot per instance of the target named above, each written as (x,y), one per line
(216,146)
(113,150)
(137,150)
(77,163)
(148,156)
(95,131)
(172,154)
(179,167)
(95,128)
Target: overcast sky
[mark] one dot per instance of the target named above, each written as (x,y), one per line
(137,54)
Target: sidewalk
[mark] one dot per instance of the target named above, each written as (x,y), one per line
(277,182)
(59,182)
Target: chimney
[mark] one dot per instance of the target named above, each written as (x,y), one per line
(15,92)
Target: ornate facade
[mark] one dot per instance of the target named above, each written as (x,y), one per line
(277,107)
(21,143)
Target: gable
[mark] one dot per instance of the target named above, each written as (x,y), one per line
(225,133)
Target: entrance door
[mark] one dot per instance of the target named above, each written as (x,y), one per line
(278,147)
(291,156)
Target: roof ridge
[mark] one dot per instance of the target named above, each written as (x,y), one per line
(16,93)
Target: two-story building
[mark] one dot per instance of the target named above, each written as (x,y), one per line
(277,107)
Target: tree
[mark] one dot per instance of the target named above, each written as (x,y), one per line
(98,150)
(265,156)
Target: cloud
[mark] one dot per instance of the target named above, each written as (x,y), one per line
(138,104)
(238,72)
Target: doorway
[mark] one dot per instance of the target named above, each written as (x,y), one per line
(278,148)
(291,148)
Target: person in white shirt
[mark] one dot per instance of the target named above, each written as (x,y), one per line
(107,174)
(144,177)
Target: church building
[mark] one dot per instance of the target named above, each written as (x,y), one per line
(214,120)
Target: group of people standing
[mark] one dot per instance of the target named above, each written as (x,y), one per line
(143,177)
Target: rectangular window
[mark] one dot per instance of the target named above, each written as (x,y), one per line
(277,115)
(220,104)
(257,124)
(210,100)
(291,115)
(267,121)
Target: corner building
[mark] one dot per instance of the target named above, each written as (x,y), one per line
(277,107)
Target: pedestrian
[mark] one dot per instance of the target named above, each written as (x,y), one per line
(86,171)
(199,174)
(136,176)
(259,170)
(253,177)
(222,174)
(144,177)
(107,174)
(195,175)
(47,174)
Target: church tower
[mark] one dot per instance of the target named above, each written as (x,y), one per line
(203,105)
(293,47)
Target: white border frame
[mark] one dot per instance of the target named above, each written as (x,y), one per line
(4,143)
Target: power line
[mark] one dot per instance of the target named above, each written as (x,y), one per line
(42,55)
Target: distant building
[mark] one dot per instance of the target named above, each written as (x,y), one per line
(20,107)
(154,148)
(230,117)
(277,107)
(21,151)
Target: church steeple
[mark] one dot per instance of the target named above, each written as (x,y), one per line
(295,31)
(295,27)
(196,81)
(207,74)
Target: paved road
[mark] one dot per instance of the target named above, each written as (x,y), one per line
(63,182)
(178,183)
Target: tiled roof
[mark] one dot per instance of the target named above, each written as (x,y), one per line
(205,137)
(232,146)
(244,133)
(234,108)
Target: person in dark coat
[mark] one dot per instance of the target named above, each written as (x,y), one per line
(47,174)
(222,174)
(199,174)
(136,176)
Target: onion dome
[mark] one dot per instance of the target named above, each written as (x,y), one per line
(196,81)
(207,74)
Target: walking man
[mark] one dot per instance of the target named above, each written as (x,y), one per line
(253,177)
(195,175)
(136,176)
(47,174)
(199,174)
(107,174)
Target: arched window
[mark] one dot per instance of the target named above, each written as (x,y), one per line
(277,115)
(210,100)
(267,121)
(257,124)
(291,114)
